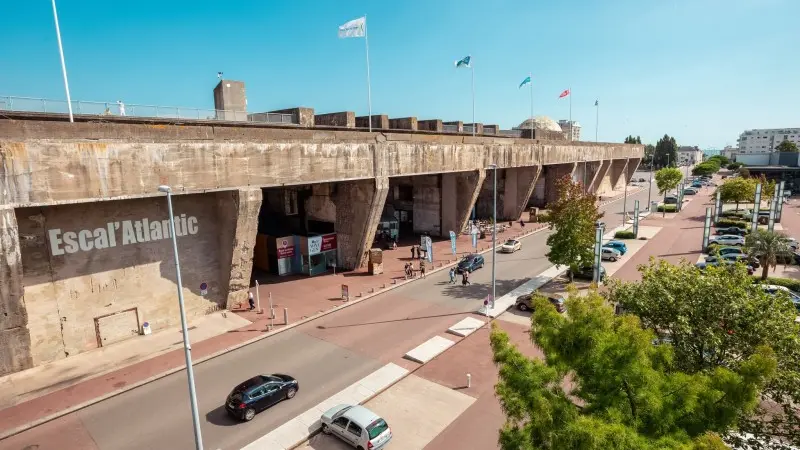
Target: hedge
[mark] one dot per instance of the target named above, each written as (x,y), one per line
(725,223)
(669,208)
(543,217)
(624,235)
(789,283)
(729,213)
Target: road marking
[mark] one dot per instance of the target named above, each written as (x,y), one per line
(429,349)
(297,430)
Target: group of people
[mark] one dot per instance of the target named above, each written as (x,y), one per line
(417,252)
(464,277)
(409,268)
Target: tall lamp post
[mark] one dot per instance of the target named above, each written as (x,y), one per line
(187,347)
(650,188)
(494,233)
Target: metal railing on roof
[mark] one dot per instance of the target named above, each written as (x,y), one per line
(79,107)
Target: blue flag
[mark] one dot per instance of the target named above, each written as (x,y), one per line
(453,241)
(464,62)
(525,81)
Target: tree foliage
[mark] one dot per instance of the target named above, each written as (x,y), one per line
(573,216)
(633,140)
(667,179)
(721,160)
(768,247)
(623,392)
(717,319)
(787,146)
(737,190)
(649,151)
(744,172)
(767,187)
(705,168)
(666,152)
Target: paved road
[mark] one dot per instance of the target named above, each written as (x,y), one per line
(325,355)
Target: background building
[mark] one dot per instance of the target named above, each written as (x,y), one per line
(730,152)
(765,140)
(572,130)
(689,155)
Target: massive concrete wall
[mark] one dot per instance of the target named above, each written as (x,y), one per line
(85,261)
(56,162)
(428,204)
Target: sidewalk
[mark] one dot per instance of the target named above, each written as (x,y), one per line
(92,378)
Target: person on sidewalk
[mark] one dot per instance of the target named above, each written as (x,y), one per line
(465,278)
(452,275)
(251,300)
(412,252)
(422,268)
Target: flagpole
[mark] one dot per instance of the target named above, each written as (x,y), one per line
(473,96)
(530,76)
(597,118)
(570,114)
(63,64)
(369,87)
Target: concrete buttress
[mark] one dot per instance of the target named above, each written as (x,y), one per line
(359,205)
(459,193)
(519,184)
(238,212)
(618,168)
(15,340)
(553,173)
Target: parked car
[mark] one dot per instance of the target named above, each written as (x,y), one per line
(724,262)
(357,426)
(722,251)
(587,273)
(641,180)
(259,393)
(736,231)
(618,246)
(670,200)
(609,254)
(727,239)
(470,263)
(697,184)
(773,289)
(510,246)
(689,191)
(735,257)
(525,302)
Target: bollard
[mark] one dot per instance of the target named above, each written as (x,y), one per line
(469,380)
(286,316)
(394,281)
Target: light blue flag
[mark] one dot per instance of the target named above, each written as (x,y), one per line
(464,62)
(525,81)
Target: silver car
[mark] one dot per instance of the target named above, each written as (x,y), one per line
(609,254)
(358,426)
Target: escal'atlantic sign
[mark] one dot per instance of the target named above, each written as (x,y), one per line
(125,232)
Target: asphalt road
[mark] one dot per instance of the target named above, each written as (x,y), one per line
(325,355)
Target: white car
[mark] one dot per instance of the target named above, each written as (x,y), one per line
(727,239)
(358,426)
(510,246)
(609,254)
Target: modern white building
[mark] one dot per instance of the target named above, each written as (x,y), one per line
(689,155)
(730,152)
(572,130)
(765,140)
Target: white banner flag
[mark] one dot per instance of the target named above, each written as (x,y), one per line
(354,28)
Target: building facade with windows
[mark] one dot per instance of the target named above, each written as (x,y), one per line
(688,155)
(765,140)
(571,129)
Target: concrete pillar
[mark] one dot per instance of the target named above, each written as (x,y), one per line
(554,172)
(405,123)
(379,122)
(517,190)
(337,119)
(633,164)
(302,116)
(478,128)
(359,205)
(435,125)
(593,171)
(459,126)
(459,194)
(230,100)
(618,168)
(601,182)
(15,339)
(238,212)
(427,207)
(491,129)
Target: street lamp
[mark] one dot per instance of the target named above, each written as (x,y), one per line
(187,347)
(650,188)
(494,234)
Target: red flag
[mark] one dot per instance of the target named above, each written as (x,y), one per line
(564,94)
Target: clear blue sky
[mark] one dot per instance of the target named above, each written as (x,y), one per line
(701,70)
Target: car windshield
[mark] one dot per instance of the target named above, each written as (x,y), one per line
(510,242)
(376,428)
(466,260)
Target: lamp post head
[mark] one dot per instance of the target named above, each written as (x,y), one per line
(165,189)
(492,166)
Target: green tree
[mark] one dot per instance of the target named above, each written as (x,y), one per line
(737,190)
(744,172)
(767,187)
(768,247)
(572,216)
(666,153)
(722,161)
(721,319)
(787,146)
(633,140)
(734,166)
(627,394)
(667,179)
(705,168)
(649,151)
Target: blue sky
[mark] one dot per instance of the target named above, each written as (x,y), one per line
(701,70)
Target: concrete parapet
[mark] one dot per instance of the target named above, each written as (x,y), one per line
(337,119)
(491,129)
(478,128)
(459,126)
(302,116)
(379,122)
(434,125)
(546,135)
(404,123)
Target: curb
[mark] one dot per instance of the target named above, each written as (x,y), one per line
(79,406)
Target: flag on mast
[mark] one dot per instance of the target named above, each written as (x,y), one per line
(596,103)
(564,94)
(464,62)
(525,81)
(353,28)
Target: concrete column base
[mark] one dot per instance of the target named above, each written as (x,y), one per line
(15,339)
(459,192)
(519,184)
(359,205)
(238,211)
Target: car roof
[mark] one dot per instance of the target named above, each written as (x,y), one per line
(361,415)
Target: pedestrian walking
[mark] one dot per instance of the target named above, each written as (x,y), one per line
(412,252)
(422,268)
(465,278)
(452,275)
(251,300)
(121,107)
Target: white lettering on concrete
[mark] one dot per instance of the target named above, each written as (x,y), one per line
(133,232)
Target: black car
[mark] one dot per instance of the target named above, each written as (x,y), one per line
(732,230)
(259,393)
(470,263)
(587,273)
(525,302)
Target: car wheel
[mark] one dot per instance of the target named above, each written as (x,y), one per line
(290,393)
(249,414)
(326,429)
(522,307)
(613,259)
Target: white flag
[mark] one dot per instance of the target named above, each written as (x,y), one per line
(354,28)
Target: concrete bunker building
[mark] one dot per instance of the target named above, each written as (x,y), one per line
(86,257)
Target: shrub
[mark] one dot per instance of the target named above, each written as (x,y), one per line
(731,213)
(543,217)
(789,283)
(724,223)
(734,165)
(624,234)
(667,208)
